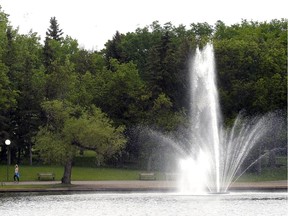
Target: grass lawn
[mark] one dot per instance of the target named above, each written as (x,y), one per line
(29,173)
(268,174)
(82,173)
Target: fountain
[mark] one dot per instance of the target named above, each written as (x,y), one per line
(215,154)
(211,158)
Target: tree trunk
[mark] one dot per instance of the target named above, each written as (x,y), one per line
(66,179)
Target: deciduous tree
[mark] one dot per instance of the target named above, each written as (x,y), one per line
(70,128)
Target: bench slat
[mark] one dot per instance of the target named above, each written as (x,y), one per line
(147,176)
(46,176)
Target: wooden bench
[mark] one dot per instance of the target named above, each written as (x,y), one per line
(171,176)
(46,176)
(147,176)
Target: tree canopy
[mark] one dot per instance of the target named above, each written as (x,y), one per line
(70,128)
(61,98)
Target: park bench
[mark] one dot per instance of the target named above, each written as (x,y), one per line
(147,176)
(46,176)
(171,176)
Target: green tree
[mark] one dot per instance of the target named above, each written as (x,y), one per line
(25,119)
(126,105)
(277,89)
(7,92)
(114,50)
(261,103)
(87,61)
(54,33)
(161,66)
(61,74)
(7,103)
(70,128)
(61,80)
(4,25)
(21,57)
(249,56)
(203,32)
(162,116)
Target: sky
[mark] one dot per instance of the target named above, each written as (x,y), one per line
(93,22)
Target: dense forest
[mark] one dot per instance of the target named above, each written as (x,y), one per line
(57,98)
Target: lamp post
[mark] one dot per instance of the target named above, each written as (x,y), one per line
(7,142)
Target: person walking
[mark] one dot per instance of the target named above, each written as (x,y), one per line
(16,174)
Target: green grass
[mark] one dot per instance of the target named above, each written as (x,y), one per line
(29,173)
(81,173)
(268,174)
(104,174)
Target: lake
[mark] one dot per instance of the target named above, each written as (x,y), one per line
(123,203)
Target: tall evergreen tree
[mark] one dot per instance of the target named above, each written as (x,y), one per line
(161,66)
(53,34)
(113,49)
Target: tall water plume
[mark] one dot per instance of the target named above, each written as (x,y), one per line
(203,164)
(205,107)
(216,154)
(210,155)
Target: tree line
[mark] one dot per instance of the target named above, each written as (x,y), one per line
(57,98)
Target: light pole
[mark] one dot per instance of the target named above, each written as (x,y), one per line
(7,142)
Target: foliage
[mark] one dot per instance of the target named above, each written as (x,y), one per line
(251,61)
(69,128)
(53,31)
(121,93)
(139,78)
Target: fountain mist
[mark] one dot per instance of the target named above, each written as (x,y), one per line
(205,106)
(215,154)
(211,155)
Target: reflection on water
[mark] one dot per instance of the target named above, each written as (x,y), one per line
(29,204)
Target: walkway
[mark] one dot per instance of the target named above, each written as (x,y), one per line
(133,186)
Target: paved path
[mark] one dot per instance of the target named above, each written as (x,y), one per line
(135,186)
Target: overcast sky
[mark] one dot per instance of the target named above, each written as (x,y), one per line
(93,22)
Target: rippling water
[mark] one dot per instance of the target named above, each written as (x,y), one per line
(116,204)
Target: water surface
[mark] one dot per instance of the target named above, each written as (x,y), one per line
(116,204)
